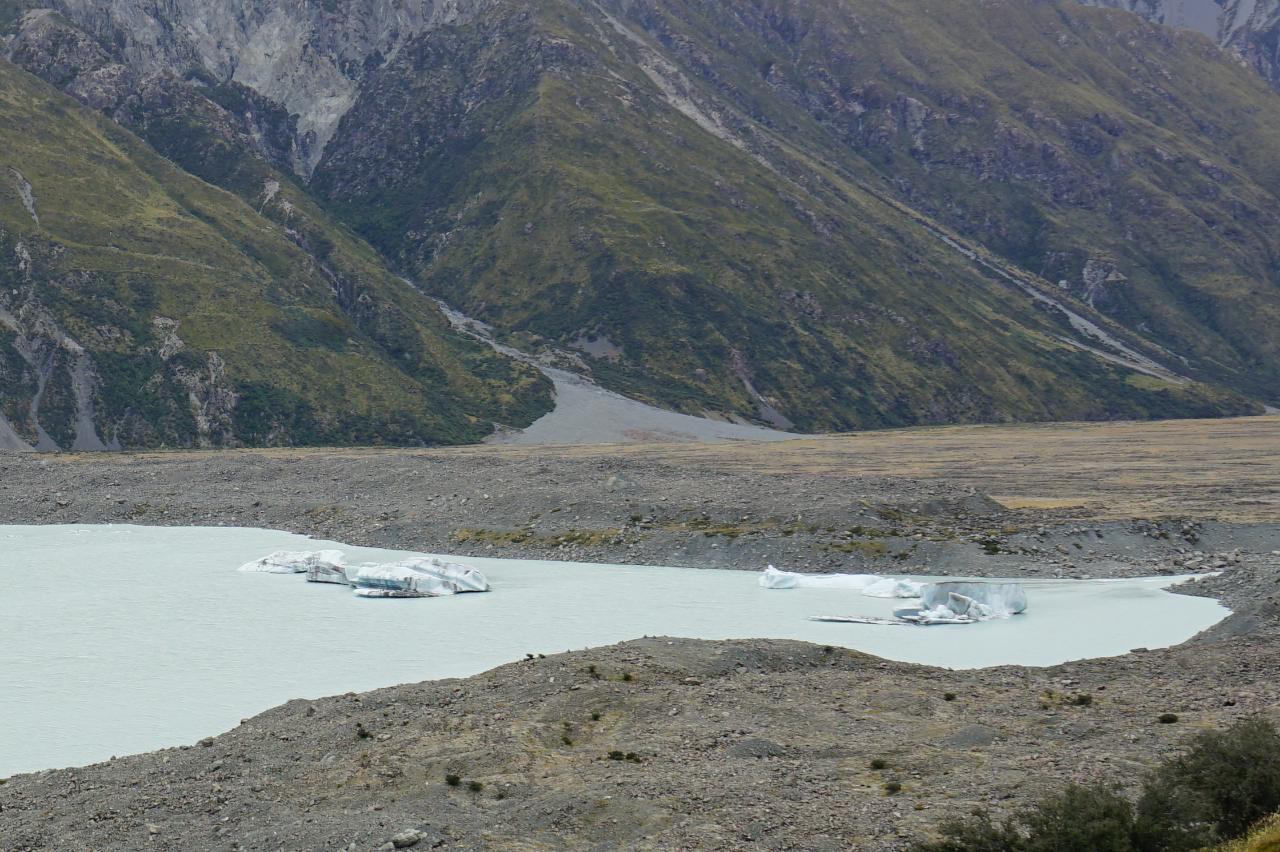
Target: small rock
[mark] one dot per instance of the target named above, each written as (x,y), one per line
(405,839)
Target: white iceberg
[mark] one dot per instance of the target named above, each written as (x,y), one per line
(870,585)
(296,562)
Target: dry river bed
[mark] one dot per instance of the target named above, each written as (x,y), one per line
(672,743)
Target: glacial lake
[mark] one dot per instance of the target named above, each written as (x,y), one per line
(122,639)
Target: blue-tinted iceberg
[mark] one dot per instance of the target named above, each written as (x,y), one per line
(420,577)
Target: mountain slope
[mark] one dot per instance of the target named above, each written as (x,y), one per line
(828,215)
(142,307)
(1133,166)
(672,201)
(710,280)
(1248,28)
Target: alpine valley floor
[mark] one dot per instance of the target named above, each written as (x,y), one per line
(673,743)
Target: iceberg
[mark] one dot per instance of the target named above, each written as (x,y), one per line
(962,602)
(419,577)
(296,562)
(870,585)
(999,600)
(415,577)
(947,602)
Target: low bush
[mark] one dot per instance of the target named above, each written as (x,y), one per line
(1226,782)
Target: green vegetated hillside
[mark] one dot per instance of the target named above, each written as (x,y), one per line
(822,214)
(140,306)
(714,198)
(1136,167)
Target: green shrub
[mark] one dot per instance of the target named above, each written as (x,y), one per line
(453,780)
(1080,819)
(1228,780)
(1224,784)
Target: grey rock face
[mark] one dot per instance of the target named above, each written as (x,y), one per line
(307,57)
